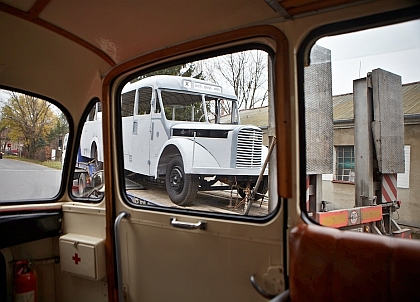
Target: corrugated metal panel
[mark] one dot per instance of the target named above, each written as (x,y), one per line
(343,107)
(257,117)
(411,98)
(343,104)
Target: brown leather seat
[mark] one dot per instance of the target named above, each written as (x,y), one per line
(331,265)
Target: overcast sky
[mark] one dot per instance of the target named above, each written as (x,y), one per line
(395,48)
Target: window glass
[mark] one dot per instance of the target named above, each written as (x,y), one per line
(32,131)
(88,171)
(127,103)
(345,163)
(205,147)
(362,113)
(145,98)
(182,106)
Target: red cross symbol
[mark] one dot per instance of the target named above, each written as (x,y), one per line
(76,259)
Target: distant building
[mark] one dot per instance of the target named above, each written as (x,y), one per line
(338,188)
(258,117)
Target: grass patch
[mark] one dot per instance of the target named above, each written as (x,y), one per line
(49,163)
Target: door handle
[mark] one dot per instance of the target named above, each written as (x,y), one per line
(188,225)
(118,254)
(260,290)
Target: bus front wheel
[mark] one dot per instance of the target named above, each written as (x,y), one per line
(182,188)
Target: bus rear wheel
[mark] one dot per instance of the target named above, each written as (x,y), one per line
(182,188)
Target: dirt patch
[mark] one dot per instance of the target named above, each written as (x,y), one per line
(415,232)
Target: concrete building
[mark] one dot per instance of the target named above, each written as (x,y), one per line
(338,188)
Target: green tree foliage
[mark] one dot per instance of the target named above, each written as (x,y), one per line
(59,129)
(31,121)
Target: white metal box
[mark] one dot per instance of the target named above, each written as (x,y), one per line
(83,256)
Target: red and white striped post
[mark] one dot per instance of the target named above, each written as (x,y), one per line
(389,188)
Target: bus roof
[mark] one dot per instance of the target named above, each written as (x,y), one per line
(182,83)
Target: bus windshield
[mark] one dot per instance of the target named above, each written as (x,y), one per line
(188,107)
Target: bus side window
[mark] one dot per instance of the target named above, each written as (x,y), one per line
(127,103)
(145,97)
(91,116)
(157,104)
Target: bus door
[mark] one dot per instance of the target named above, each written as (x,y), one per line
(159,133)
(141,132)
(212,250)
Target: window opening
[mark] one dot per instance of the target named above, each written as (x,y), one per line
(145,97)
(32,131)
(345,163)
(127,103)
(361,98)
(88,176)
(201,153)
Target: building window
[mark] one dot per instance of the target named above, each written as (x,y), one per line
(403,179)
(345,163)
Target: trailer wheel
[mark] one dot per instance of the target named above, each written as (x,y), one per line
(263,188)
(182,188)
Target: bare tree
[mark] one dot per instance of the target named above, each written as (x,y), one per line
(246,72)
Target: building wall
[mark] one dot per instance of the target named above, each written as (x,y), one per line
(409,213)
(341,195)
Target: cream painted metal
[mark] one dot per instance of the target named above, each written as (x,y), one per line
(159,262)
(190,264)
(83,256)
(217,262)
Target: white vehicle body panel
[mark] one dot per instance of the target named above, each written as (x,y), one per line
(206,148)
(92,134)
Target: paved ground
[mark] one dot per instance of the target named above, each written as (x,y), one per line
(227,201)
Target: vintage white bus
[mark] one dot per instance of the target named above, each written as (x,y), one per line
(186,131)
(306,243)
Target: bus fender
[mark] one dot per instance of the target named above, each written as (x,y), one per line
(193,155)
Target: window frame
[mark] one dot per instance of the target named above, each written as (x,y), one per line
(303,59)
(339,149)
(276,47)
(89,107)
(189,211)
(67,161)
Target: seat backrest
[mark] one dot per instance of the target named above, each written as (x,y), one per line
(332,265)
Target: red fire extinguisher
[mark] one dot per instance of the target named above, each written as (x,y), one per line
(24,282)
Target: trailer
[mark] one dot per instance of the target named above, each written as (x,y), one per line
(378,149)
(87,178)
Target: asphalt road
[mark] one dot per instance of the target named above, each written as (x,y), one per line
(26,181)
